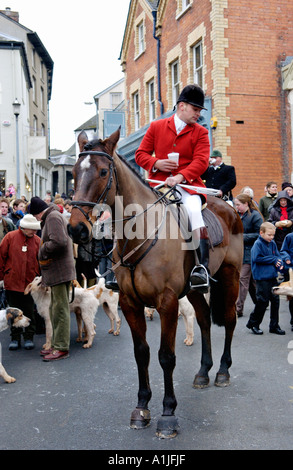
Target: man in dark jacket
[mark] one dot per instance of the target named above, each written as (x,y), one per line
(220,176)
(58,270)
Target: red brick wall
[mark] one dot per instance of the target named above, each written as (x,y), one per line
(260,36)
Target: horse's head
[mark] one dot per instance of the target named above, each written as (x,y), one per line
(94,183)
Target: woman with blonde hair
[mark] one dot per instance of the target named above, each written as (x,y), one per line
(251,220)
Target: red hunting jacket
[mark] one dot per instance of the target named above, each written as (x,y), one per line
(19,260)
(192,144)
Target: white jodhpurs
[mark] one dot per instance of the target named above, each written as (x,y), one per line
(193,203)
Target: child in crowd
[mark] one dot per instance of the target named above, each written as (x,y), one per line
(266,261)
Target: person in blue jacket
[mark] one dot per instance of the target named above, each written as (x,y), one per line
(287,256)
(266,262)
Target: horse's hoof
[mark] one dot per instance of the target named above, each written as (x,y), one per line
(167,427)
(222,380)
(201,381)
(140,418)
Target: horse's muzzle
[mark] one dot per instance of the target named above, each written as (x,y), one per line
(79,233)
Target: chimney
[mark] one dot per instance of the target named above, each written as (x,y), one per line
(14,15)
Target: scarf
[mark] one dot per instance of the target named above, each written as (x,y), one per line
(284,213)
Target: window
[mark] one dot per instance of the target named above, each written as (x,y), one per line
(175,82)
(43,130)
(136,111)
(185,4)
(151,94)
(140,32)
(42,70)
(34,90)
(197,64)
(34,58)
(42,100)
(35,126)
(182,7)
(115,99)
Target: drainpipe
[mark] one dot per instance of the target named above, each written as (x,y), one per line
(154,13)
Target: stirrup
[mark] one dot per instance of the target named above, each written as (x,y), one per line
(203,277)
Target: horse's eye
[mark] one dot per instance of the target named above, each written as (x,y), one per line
(103,172)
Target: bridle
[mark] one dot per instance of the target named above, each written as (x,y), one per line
(103,197)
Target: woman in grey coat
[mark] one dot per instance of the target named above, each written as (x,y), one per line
(251,220)
(58,270)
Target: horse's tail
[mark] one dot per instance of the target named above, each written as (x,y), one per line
(217,305)
(218,300)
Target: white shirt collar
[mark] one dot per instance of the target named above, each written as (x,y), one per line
(218,166)
(179,124)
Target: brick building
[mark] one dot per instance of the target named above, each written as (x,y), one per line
(236,51)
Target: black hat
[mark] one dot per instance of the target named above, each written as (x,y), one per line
(286,185)
(192,94)
(37,205)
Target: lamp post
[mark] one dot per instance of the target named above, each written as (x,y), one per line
(16,111)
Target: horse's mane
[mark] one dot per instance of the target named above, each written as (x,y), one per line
(134,171)
(94,143)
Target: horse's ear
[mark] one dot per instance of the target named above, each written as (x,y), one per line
(82,139)
(113,139)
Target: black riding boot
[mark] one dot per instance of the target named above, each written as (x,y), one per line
(111,282)
(199,278)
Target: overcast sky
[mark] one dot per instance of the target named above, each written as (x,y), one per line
(84,40)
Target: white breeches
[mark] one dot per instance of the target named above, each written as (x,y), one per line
(193,204)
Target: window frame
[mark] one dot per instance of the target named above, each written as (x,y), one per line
(151,100)
(35,126)
(34,83)
(197,71)
(182,7)
(175,86)
(140,37)
(136,111)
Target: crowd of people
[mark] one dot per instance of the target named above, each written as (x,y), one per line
(268,253)
(28,249)
(267,227)
(34,242)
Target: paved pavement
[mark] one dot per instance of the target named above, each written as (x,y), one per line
(85,401)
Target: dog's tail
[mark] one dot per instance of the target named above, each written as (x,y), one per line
(84,281)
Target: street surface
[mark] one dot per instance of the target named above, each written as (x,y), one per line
(85,401)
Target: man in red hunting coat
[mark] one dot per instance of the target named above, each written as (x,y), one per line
(181,134)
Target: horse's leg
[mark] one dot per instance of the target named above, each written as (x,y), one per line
(134,314)
(203,317)
(228,293)
(167,426)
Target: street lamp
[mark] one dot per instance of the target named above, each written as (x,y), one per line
(16,111)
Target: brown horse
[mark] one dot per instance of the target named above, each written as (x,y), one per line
(153,269)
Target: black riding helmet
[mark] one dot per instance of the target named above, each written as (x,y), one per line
(192,94)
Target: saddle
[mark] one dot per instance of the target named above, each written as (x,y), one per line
(211,221)
(213,226)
